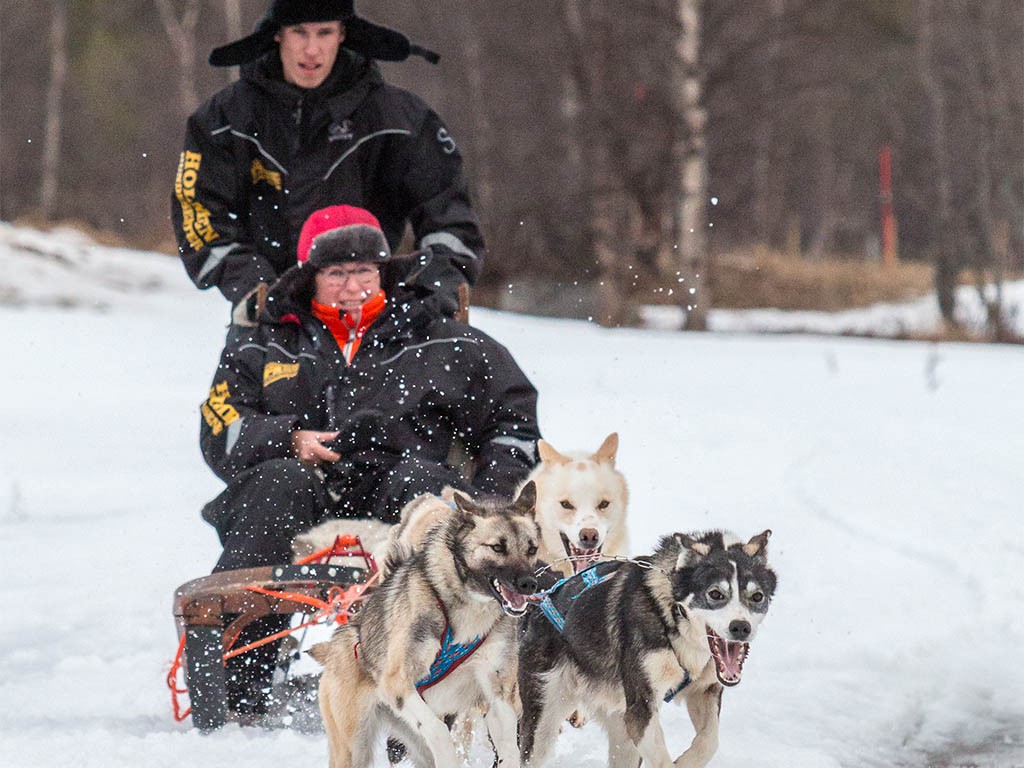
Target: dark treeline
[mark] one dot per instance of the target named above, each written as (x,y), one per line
(612,147)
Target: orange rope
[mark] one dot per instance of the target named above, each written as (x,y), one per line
(337,608)
(346,545)
(172,683)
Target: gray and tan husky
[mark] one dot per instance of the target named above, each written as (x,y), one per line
(402,667)
(625,636)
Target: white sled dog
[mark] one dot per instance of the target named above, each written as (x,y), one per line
(581,510)
(672,626)
(581,505)
(435,640)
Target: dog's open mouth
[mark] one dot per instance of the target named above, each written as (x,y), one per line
(513,603)
(580,558)
(729,657)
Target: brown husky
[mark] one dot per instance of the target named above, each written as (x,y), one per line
(436,639)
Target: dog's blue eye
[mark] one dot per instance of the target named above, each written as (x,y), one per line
(499,548)
(532,550)
(566,504)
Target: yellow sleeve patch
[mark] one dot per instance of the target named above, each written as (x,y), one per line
(216,411)
(195,216)
(276,371)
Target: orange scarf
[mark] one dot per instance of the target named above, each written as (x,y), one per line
(348,328)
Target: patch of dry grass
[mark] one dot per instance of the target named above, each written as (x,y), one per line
(761,278)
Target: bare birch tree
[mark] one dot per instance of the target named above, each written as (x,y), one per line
(946,267)
(608,224)
(181,32)
(54,108)
(233,22)
(689,155)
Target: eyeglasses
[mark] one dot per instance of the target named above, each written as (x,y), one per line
(363,275)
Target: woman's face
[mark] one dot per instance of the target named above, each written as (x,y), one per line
(347,286)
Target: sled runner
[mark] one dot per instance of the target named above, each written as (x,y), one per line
(326,587)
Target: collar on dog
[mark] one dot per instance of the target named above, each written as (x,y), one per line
(449,656)
(577,584)
(679,688)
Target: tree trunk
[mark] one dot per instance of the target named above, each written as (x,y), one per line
(609,227)
(947,267)
(690,158)
(767,194)
(181,32)
(233,22)
(54,108)
(482,130)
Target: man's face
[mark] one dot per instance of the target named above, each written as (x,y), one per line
(308,51)
(347,286)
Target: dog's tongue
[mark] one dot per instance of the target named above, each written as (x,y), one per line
(584,558)
(729,658)
(514,599)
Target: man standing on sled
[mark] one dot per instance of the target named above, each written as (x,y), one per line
(311,123)
(346,400)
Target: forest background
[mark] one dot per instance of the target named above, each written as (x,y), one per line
(691,152)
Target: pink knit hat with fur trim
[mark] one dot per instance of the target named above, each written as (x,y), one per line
(342,233)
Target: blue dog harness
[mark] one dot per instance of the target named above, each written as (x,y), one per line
(558,599)
(449,656)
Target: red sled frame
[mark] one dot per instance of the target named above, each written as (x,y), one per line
(326,587)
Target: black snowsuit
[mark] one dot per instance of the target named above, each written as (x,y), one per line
(418,383)
(263,154)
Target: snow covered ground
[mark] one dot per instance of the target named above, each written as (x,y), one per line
(889,473)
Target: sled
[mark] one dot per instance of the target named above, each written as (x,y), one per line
(325,587)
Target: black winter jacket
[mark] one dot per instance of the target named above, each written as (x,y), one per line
(417,382)
(262,155)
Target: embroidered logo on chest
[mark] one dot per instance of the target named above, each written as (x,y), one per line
(340,132)
(277,371)
(261,173)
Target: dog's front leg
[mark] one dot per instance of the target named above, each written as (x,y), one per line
(501,726)
(415,712)
(642,724)
(652,747)
(704,706)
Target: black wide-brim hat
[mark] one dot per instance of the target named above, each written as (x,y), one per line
(364,37)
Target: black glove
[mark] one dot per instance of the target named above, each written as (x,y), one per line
(362,430)
(431,275)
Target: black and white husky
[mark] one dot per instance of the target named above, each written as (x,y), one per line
(622,637)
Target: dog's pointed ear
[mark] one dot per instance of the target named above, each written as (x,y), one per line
(690,550)
(465,505)
(758,546)
(606,453)
(687,542)
(526,501)
(549,455)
